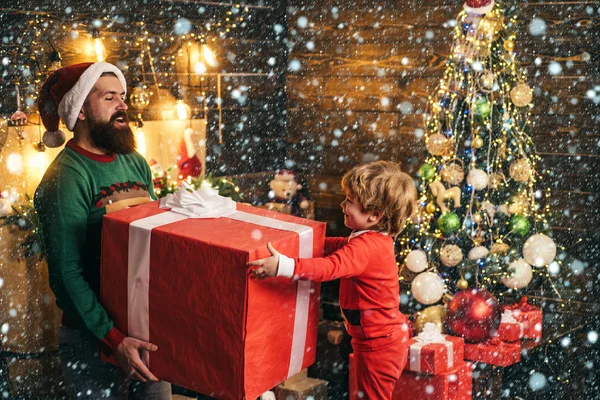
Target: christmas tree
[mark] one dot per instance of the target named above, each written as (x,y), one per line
(479,224)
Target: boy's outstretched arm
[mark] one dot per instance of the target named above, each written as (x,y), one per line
(267,267)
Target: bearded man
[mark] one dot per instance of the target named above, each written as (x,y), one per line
(97,172)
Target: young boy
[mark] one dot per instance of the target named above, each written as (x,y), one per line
(379,199)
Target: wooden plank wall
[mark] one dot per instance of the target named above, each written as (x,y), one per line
(251,56)
(353,54)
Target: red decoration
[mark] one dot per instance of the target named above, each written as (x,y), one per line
(474,314)
(478,3)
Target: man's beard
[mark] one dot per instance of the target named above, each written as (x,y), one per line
(106,136)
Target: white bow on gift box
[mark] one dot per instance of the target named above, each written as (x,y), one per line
(202,203)
(431,334)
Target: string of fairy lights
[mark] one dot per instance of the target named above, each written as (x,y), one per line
(477,123)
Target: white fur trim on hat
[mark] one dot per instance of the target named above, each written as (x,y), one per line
(73,100)
(479,10)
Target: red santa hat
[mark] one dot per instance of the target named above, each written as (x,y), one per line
(285,175)
(478,6)
(63,93)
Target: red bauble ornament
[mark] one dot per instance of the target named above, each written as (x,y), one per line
(474,314)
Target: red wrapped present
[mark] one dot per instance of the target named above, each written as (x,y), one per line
(494,352)
(182,283)
(529,315)
(433,353)
(454,384)
(510,330)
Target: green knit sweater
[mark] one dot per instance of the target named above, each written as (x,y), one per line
(71,201)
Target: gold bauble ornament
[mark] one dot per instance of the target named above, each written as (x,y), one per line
(520,170)
(453,173)
(139,98)
(477,218)
(436,144)
(521,94)
(500,248)
(430,208)
(496,179)
(509,45)
(462,284)
(486,81)
(477,142)
(433,314)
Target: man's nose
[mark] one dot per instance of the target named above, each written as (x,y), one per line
(122,105)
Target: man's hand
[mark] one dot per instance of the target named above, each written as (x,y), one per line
(267,266)
(128,355)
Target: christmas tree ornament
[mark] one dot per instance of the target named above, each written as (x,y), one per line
(496,179)
(433,314)
(520,225)
(486,81)
(426,171)
(539,250)
(520,274)
(520,170)
(453,173)
(519,204)
(509,45)
(476,218)
(477,142)
(462,284)
(442,194)
(482,107)
(448,223)
(477,253)
(478,179)
(451,255)
(436,144)
(139,98)
(416,261)
(427,288)
(430,208)
(500,248)
(521,94)
(489,208)
(503,209)
(473,314)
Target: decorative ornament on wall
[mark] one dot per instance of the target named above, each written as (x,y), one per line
(521,95)
(520,170)
(139,97)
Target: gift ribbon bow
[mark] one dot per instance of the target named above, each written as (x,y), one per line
(431,334)
(521,305)
(202,203)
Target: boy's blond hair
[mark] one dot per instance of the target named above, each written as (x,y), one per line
(381,186)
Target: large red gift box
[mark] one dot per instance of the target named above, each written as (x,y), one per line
(431,356)
(494,352)
(454,384)
(183,284)
(528,315)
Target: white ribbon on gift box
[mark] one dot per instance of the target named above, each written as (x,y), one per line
(205,203)
(508,318)
(430,335)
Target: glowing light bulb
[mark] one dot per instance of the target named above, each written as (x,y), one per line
(209,56)
(99,49)
(140,141)
(183,110)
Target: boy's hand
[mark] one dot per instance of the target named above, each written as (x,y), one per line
(267,266)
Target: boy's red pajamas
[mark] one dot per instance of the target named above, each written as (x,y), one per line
(369,297)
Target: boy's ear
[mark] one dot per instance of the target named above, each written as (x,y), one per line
(375,216)
(81,115)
